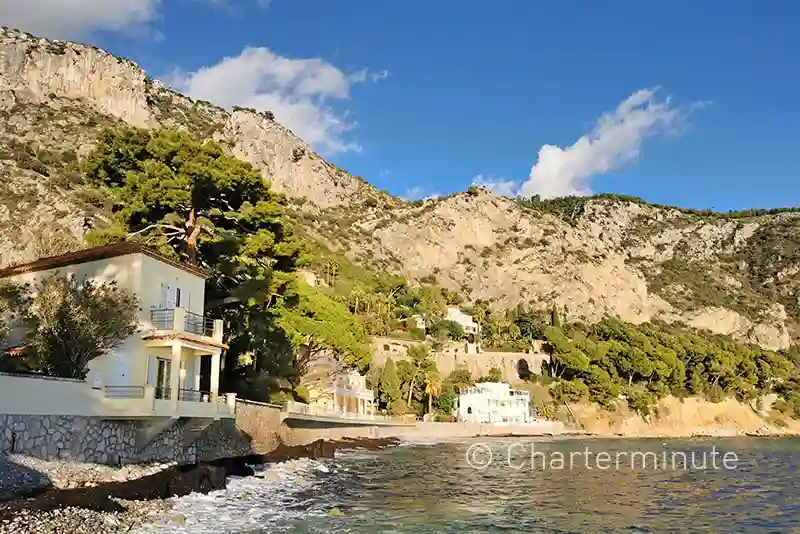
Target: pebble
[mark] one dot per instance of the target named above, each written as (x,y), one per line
(80,521)
(19,475)
(22,474)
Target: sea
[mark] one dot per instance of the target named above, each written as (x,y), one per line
(514,486)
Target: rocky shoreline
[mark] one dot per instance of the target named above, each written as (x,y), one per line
(108,505)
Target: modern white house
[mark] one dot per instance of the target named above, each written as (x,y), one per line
(337,392)
(471,328)
(494,403)
(168,370)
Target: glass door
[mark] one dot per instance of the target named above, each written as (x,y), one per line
(163,375)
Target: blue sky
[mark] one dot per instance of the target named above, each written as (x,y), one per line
(421,98)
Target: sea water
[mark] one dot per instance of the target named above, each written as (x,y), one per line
(508,485)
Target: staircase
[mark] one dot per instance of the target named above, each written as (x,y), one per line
(193,428)
(149,429)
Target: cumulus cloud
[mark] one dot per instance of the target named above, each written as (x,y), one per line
(498,186)
(418,193)
(71,19)
(300,92)
(615,141)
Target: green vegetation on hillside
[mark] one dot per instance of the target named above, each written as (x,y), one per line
(570,208)
(643,363)
(193,202)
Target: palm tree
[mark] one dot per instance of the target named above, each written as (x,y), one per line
(433,387)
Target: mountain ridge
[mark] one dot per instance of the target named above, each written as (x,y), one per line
(730,273)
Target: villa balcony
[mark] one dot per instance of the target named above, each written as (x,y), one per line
(147,401)
(181,320)
(299,408)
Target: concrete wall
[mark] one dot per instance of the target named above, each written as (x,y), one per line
(453,357)
(35,395)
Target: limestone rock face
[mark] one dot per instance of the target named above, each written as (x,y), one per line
(606,256)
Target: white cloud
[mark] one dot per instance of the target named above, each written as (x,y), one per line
(300,92)
(498,186)
(71,19)
(615,141)
(418,193)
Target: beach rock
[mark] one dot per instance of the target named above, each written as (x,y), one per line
(107,506)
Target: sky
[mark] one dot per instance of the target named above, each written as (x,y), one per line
(684,103)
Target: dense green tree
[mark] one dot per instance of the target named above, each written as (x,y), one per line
(645,362)
(421,366)
(460,377)
(389,384)
(451,329)
(529,325)
(191,201)
(445,404)
(317,325)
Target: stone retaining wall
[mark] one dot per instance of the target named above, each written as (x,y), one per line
(88,439)
(95,440)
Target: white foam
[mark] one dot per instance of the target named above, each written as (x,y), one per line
(418,443)
(269,499)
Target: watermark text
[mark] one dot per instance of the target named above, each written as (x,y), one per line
(521,456)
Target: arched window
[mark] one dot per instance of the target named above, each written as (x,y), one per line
(469,410)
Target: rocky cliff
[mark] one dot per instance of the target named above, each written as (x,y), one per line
(734,274)
(56,96)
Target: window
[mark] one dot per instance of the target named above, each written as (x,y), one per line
(177,297)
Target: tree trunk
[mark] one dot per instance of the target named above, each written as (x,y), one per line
(410,391)
(430,403)
(192,233)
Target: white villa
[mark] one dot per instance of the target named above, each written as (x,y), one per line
(337,392)
(493,403)
(169,369)
(471,328)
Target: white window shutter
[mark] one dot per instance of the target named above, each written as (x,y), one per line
(164,295)
(152,370)
(170,297)
(188,297)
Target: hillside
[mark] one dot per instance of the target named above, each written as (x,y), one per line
(732,273)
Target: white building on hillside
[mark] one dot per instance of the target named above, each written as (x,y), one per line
(334,390)
(493,402)
(472,330)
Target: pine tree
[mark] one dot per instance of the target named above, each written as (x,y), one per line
(192,201)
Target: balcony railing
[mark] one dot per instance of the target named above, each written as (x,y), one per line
(198,324)
(193,395)
(125,392)
(181,320)
(162,319)
(307,409)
